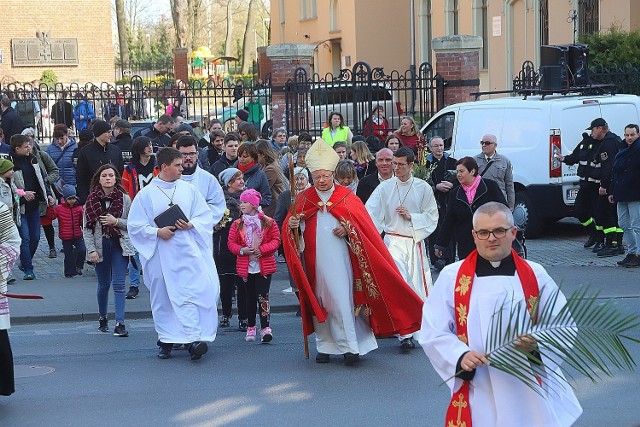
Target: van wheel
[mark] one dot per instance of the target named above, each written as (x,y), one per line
(525,216)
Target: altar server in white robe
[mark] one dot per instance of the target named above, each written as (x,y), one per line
(207,184)
(457,318)
(177,260)
(405,209)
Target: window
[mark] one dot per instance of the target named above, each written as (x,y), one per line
(308,9)
(544,22)
(426,30)
(588,16)
(333,16)
(442,127)
(451,12)
(481,28)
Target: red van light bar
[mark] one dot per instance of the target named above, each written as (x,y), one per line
(555,149)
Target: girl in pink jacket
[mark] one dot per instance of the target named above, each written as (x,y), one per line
(254,239)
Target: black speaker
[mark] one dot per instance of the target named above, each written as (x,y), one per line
(579,64)
(556,55)
(551,77)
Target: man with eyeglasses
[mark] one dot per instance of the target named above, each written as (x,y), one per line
(457,320)
(496,167)
(350,288)
(206,183)
(405,209)
(159,131)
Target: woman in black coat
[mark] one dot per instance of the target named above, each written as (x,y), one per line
(459,213)
(232,181)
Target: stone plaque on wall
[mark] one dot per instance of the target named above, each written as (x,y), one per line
(44,51)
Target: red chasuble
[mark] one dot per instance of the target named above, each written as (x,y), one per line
(378,287)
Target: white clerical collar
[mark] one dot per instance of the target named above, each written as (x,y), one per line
(380,178)
(164,184)
(495,264)
(326,195)
(407,182)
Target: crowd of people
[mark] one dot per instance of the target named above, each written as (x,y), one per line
(234,206)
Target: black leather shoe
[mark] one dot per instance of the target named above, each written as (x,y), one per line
(597,247)
(322,358)
(165,350)
(407,344)
(593,238)
(197,349)
(351,359)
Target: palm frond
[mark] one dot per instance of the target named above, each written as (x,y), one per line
(583,332)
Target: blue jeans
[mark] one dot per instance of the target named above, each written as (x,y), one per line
(30,234)
(134,273)
(110,272)
(629,221)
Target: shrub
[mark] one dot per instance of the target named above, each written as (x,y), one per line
(613,48)
(49,78)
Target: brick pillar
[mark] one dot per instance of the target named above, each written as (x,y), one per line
(457,61)
(181,64)
(264,62)
(285,59)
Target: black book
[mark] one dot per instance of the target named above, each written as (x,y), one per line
(169,217)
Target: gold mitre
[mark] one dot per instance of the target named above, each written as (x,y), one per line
(321,157)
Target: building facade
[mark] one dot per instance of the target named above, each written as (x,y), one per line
(379,31)
(72,38)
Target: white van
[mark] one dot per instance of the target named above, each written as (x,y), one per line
(530,131)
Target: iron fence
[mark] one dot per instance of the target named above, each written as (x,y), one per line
(144,69)
(199,102)
(626,79)
(356,92)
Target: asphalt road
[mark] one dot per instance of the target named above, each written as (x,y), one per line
(71,375)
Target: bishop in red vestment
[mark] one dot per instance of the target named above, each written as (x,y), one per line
(350,288)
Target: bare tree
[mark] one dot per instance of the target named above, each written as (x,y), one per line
(179,12)
(122,33)
(248,43)
(228,41)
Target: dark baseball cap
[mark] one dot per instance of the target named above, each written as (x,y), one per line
(597,122)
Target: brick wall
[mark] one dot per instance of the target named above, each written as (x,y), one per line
(181,64)
(89,21)
(264,62)
(458,68)
(457,61)
(285,59)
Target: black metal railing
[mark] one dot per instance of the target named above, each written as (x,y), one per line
(356,92)
(626,79)
(43,106)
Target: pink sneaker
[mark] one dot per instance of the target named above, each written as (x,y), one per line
(251,334)
(266,335)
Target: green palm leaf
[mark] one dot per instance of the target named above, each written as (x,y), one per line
(584,333)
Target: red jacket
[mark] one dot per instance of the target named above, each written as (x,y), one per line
(269,246)
(69,220)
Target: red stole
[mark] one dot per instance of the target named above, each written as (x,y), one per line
(378,287)
(459,410)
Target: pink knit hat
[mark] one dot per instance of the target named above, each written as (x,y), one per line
(251,196)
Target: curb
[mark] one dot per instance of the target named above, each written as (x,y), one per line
(92,317)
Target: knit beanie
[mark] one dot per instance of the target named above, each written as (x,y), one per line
(242,115)
(226,175)
(69,191)
(251,196)
(5,165)
(100,127)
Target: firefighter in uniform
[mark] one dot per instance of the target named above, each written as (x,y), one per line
(594,156)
